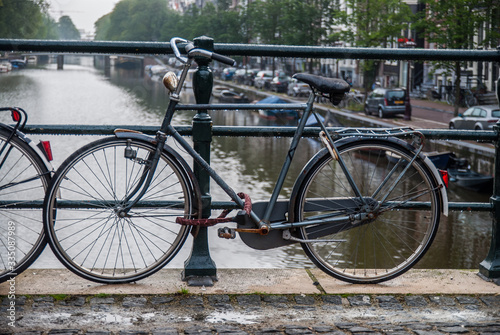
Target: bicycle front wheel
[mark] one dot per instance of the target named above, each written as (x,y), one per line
(86,226)
(23,181)
(395,237)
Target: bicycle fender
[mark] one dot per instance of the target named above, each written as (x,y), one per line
(439,180)
(32,145)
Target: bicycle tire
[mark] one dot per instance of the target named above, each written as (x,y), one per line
(81,216)
(23,179)
(390,243)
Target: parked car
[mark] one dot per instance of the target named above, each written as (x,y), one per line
(477,118)
(386,102)
(280,84)
(227,73)
(297,88)
(250,77)
(263,79)
(239,76)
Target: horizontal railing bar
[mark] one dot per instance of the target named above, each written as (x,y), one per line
(442,134)
(357,53)
(109,47)
(454,206)
(241,106)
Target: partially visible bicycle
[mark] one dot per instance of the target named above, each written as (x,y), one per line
(351,99)
(25,173)
(466,99)
(365,208)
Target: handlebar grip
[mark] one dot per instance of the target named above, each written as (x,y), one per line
(223,59)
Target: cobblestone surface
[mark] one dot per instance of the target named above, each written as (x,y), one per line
(251,314)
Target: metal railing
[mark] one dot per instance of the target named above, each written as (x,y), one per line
(200,264)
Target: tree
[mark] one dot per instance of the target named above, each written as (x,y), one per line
(25,19)
(374,23)
(102,26)
(135,20)
(456,25)
(67,30)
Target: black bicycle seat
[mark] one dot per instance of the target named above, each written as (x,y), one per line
(334,87)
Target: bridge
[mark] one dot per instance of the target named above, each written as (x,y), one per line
(199,265)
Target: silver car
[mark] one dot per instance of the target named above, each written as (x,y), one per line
(477,118)
(296,88)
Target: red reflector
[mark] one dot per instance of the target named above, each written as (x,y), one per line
(47,150)
(445,177)
(16,116)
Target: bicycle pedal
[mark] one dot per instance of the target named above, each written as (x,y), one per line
(227,233)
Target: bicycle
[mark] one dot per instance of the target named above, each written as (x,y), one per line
(352,98)
(25,173)
(120,208)
(466,99)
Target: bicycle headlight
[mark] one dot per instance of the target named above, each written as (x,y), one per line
(170,81)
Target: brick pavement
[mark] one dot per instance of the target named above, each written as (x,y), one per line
(254,314)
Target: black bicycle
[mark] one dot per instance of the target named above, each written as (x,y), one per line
(25,173)
(365,208)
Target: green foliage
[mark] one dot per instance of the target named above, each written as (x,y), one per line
(67,30)
(25,19)
(456,25)
(183,291)
(374,23)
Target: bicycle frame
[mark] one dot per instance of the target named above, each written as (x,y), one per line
(263,223)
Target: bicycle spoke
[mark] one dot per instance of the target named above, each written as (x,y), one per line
(92,234)
(389,241)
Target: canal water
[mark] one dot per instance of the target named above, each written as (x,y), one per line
(81,94)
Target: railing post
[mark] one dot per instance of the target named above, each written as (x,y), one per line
(60,62)
(199,268)
(490,267)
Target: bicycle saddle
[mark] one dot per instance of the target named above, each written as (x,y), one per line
(334,87)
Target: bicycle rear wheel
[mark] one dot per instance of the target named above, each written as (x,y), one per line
(23,181)
(82,211)
(398,234)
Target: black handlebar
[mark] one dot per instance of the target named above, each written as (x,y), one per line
(192,52)
(223,59)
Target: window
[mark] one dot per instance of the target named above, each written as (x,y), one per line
(476,112)
(395,95)
(468,112)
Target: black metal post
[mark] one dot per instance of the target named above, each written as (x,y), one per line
(490,267)
(199,268)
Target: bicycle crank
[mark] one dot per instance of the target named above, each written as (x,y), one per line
(230,233)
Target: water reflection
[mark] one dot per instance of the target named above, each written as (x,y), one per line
(81,94)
